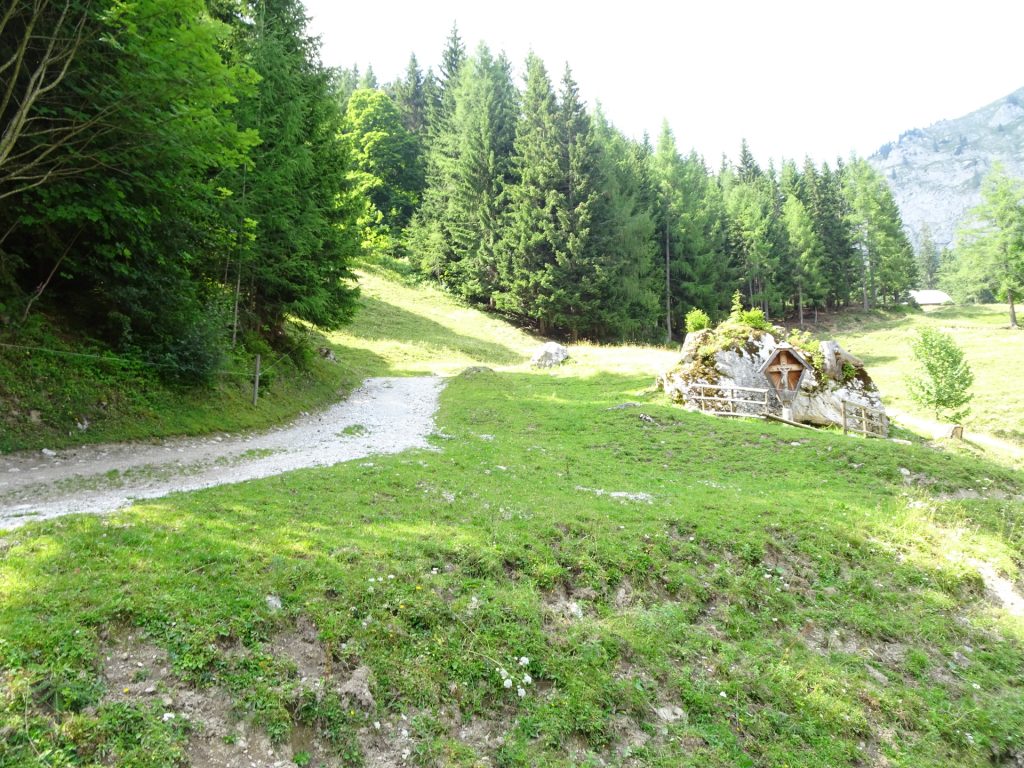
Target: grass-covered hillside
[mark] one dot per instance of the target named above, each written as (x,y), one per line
(578,573)
(992,349)
(57,390)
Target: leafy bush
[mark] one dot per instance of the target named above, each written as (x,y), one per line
(751,318)
(945,376)
(697,320)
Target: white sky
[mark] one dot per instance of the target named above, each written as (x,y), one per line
(795,77)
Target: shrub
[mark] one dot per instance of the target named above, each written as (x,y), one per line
(751,318)
(697,320)
(945,377)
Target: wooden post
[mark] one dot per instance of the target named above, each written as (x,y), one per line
(256,382)
(842,406)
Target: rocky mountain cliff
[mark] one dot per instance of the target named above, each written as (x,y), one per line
(936,172)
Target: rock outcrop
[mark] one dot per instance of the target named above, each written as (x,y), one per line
(935,173)
(728,359)
(549,355)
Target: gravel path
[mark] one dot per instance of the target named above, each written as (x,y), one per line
(385,415)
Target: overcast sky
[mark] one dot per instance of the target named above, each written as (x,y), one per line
(824,78)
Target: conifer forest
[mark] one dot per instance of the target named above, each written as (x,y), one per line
(178,177)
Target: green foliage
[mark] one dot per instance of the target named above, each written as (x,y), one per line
(889,266)
(748,318)
(944,381)
(989,257)
(697,320)
(297,190)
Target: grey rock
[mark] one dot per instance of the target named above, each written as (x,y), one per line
(935,173)
(692,341)
(818,402)
(549,355)
(669,714)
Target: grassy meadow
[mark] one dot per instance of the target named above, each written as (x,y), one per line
(578,573)
(883,339)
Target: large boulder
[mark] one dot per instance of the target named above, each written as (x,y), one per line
(549,355)
(727,357)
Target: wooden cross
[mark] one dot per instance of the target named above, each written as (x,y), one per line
(784,369)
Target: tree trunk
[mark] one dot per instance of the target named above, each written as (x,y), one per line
(668,289)
(800,304)
(1013,309)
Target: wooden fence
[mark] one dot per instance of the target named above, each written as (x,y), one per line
(864,420)
(729,401)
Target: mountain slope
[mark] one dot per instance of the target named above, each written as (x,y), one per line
(936,172)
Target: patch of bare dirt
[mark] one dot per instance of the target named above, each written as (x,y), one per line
(137,672)
(794,569)
(999,589)
(301,646)
(562,606)
(887,653)
(390,743)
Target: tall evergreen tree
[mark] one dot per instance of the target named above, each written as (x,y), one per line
(990,251)
(929,258)
(531,234)
(805,264)
(297,262)
(111,203)
(411,99)
(624,238)
(878,235)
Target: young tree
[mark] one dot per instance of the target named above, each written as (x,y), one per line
(945,378)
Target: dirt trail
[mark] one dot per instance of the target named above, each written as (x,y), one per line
(385,415)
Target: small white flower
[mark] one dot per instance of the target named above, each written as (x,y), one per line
(405,733)
(523,661)
(391,576)
(168,716)
(502,671)
(723,694)
(527,679)
(376,724)
(521,691)
(508,682)
(975,686)
(370,590)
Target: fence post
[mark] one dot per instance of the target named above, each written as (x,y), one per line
(256,382)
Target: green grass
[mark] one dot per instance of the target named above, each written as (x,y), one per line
(399,330)
(784,590)
(991,348)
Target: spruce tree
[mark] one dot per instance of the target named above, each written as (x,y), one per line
(531,234)
(295,194)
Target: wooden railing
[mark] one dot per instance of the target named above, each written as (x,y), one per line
(864,420)
(728,401)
